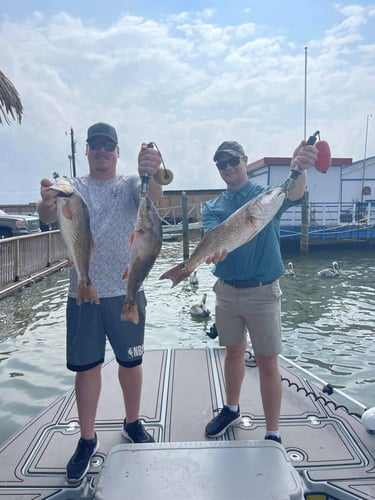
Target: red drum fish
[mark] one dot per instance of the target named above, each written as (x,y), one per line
(242,226)
(146,241)
(74,223)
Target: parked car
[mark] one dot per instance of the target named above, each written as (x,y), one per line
(44,226)
(18,224)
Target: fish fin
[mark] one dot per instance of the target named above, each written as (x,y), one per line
(129,311)
(91,250)
(125,276)
(176,274)
(132,236)
(86,293)
(67,211)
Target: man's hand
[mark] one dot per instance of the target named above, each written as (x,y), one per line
(304,156)
(149,161)
(48,195)
(47,207)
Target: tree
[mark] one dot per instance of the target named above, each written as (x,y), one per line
(10,102)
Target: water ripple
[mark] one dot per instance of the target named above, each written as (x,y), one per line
(328,328)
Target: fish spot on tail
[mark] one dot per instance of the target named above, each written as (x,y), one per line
(129,312)
(87,293)
(176,274)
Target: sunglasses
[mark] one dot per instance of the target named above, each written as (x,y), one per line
(97,144)
(232,162)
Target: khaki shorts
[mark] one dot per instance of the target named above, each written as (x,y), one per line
(257,310)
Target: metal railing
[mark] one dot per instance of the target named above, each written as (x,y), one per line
(22,256)
(332,213)
(353,220)
(320,214)
(172,216)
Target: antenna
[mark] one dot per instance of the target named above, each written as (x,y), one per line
(364,159)
(305,100)
(72,156)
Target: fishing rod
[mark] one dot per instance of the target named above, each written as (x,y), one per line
(326,387)
(163,176)
(322,163)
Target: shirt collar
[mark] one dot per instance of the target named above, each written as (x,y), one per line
(240,193)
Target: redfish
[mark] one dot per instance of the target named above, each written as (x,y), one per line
(74,223)
(242,226)
(146,241)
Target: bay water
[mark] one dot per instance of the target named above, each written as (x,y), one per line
(328,327)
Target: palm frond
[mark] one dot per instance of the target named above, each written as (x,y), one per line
(10,102)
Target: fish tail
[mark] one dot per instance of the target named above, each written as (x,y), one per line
(176,274)
(86,293)
(129,311)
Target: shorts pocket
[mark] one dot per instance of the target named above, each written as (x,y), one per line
(276,290)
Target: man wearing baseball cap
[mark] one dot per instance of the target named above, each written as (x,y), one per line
(112,201)
(248,295)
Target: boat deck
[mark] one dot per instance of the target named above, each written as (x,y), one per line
(324,438)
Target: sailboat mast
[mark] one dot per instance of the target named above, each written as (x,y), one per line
(364,159)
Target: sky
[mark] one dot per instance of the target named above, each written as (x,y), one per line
(187,76)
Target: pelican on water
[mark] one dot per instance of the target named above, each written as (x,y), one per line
(289,271)
(200,310)
(331,272)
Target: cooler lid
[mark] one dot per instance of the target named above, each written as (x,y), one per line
(218,470)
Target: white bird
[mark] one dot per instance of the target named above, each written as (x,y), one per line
(331,272)
(193,280)
(290,270)
(200,310)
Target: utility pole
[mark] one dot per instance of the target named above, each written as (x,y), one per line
(73,148)
(72,156)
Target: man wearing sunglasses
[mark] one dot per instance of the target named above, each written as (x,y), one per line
(112,202)
(248,295)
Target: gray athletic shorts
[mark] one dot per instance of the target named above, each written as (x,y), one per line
(89,325)
(256,309)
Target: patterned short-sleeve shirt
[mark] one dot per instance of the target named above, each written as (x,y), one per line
(112,207)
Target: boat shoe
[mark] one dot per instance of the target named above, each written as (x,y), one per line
(219,424)
(274,438)
(136,433)
(79,463)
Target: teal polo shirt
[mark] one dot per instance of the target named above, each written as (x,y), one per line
(259,259)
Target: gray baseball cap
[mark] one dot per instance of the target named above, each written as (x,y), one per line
(232,148)
(102,129)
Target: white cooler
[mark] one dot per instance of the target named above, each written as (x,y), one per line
(217,470)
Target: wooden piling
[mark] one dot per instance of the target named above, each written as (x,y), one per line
(185,225)
(304,242)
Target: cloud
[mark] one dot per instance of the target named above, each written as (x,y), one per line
(182,81)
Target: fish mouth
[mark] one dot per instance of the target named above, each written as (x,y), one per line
(62,191)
